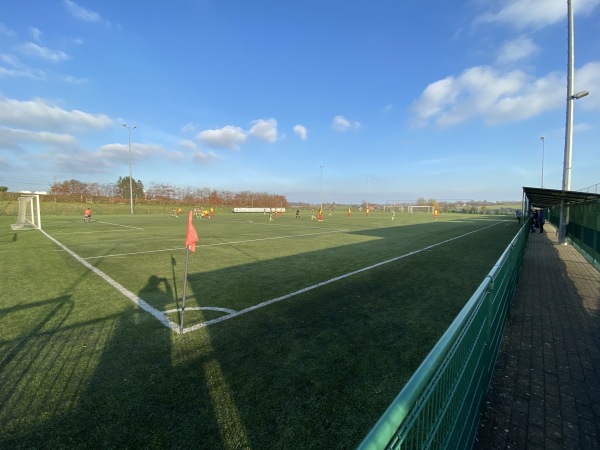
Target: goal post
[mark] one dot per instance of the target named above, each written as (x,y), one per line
(29,216)
(420,209)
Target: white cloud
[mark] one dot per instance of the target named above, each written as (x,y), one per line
(587,78)
(12,138)
(534,13)
(139,151)
(301,131)
(6,31)
(38,114)
(74,80)
(341,124)
(227,137)
(32,49)
(516,50)
(81,13)
(36,33)
(494,96)
(205,157)
(17,69)
(188,128)
(186,143)
(264,129)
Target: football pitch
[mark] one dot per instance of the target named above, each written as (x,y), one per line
(297,333)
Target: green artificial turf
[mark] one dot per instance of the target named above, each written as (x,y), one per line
(81,366)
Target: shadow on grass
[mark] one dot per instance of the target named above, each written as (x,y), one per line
(315,372)
(130,394)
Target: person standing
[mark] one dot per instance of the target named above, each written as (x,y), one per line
(518,214)
(541,220)
(87,215)
(534,220)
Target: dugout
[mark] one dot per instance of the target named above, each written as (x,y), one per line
(582,218)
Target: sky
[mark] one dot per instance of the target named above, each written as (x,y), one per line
(318,100)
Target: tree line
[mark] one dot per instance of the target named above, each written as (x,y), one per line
(160,193)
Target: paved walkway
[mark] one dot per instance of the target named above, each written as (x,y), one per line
(545,391)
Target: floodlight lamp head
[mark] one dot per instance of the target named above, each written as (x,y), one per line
(135,126)
(124,124)
(581,94)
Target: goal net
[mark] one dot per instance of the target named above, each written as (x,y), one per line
(29,213)
(420,209)
(395,209)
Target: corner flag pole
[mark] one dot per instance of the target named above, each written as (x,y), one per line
(190,244)
(187,254)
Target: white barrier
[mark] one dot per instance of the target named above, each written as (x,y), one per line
(259,210)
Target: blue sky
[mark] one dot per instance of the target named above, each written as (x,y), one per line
(372,100)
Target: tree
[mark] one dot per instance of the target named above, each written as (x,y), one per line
(3,189)
(122,187)
(70,187)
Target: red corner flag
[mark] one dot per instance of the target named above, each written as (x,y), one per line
(191,237)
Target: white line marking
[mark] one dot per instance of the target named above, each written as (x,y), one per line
(216,244)
(162,318)
(130,295)
(118,225)
(136,253)
(202,308)
(324,283)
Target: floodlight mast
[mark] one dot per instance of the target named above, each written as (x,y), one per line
(571,97)
(543,141)
(129,128)
(321,188)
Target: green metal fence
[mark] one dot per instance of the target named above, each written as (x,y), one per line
(439,406)
(583,228)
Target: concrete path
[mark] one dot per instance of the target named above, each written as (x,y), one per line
(545,391)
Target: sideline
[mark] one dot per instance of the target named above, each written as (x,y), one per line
(163,319)
(324,283)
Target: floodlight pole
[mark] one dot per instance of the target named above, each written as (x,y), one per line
(368,179)
(543,140)
(130,178)
(321,187)
(571,97)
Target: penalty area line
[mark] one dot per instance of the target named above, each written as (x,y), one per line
(324,283)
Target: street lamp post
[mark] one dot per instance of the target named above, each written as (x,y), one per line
(321,187)
(542,139)
(129,128)
(571,97)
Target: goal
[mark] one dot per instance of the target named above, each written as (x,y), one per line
(420,209)
(395,208)
(29,213)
